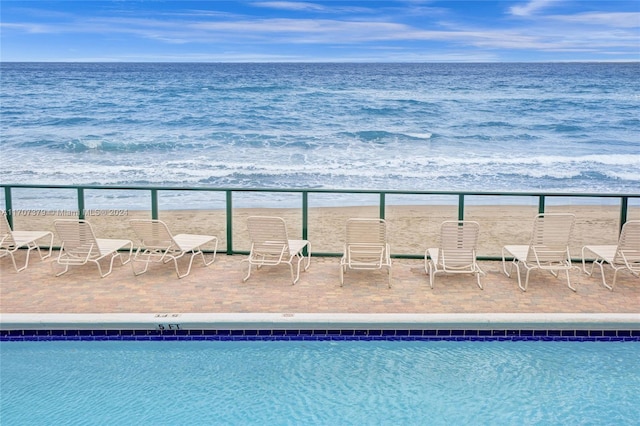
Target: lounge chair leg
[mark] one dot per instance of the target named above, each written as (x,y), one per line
(124,262)
(26,262)
(13,260)
(569,281)
(426,262)
(526,281)
(504,266)
(113,258)
(146,266)
(244,280)
(584,264)
(308,257)
(66,268)
(175,262)
(613,283)
(478,273)
(432,272)
(295,279)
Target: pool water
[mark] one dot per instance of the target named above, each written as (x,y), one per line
(327,383)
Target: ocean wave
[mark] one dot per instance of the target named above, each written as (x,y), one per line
(510,127)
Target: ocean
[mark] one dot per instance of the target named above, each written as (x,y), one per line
(556,127)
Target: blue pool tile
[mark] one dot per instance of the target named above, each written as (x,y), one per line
(324,335)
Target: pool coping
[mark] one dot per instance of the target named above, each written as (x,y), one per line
(324,321)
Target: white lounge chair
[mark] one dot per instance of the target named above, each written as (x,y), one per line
(270,245)
(623,256)
(80,245)
(548,249)
(158,244)
(11,241)
(366,247)
(457,251)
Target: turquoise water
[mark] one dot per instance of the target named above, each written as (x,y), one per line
(327,383)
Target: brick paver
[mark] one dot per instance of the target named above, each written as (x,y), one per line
(218,288)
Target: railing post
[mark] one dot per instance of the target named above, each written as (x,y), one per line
(81,203)
(382,205)
(154,204)
(8,205)
(305,215)
(541,204)
(305,218)
(460,206)
(624,205)
(229,208)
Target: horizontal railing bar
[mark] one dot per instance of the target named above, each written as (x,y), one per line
(325,191)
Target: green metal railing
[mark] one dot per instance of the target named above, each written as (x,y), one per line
(304,202)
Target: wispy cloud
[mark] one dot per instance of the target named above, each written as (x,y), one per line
(610,19)
(531,7)
(299,29)
(291,5)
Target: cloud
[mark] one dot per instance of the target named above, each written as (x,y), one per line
(359,34)
(30,28)
(531,8)
(612,19)
(291,5)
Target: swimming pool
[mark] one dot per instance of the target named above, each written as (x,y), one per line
(319,382)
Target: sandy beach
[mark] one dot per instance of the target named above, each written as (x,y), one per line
(411,229)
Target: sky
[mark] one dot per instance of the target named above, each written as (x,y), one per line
(320,31)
